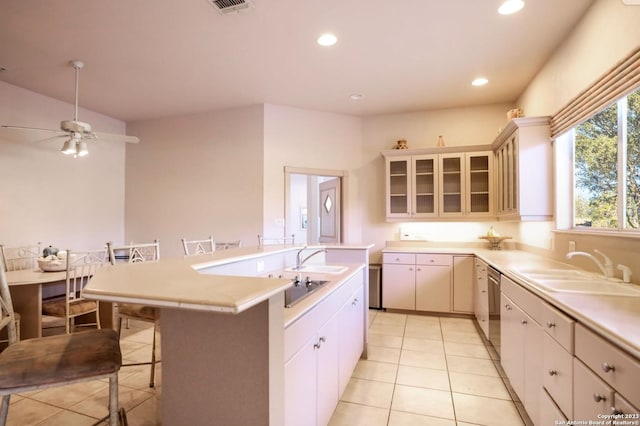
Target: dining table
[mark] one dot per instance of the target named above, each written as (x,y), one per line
(26,288)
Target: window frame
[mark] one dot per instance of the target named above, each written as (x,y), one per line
(565,184)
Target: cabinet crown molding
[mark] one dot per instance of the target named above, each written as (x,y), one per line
(434,150)
(518,123)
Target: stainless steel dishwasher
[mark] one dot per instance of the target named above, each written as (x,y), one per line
(493,276)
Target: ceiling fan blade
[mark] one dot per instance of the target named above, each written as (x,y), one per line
(52,138)
(32,128)
(115,137)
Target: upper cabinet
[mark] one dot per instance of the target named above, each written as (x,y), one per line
(524,170)
(439,183)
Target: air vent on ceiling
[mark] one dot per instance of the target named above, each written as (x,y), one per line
(228,6)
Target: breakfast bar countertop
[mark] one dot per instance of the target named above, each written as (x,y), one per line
(615,318)
(177,282)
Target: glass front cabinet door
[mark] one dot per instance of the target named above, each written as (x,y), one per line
(465,188)
(424,183)
(398,184)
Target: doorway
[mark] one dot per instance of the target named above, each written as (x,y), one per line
(313,205)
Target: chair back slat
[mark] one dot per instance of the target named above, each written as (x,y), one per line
(267,241)
(193,247)
(20,258)
(81,266)
(230,245)
(134,253)
(7,316)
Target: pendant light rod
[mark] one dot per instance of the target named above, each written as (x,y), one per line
(77,65)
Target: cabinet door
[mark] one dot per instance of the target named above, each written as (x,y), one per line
(463,283)
(328,353)
(398,174)
(451,184)
(481,297)
(351,336)
(533,368)
(506,157)
(300,379)
(512,344)
(591,395)
(398,286)
(424,186)
(433,288)
(479,199)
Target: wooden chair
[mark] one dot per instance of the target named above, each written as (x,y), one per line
(229,245)
(45,362)
(20,258)
(193,247)
(81,265)
(136,253)
(264,241)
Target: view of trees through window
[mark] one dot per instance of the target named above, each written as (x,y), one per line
(597,174)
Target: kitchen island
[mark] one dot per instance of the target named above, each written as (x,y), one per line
(223,327)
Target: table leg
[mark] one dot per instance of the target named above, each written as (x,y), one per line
(27,301)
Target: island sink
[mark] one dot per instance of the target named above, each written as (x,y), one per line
(300,290)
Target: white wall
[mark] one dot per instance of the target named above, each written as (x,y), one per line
(459,127)
(49,197)
(310,139)
(194,176)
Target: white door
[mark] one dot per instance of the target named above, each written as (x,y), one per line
(330,211)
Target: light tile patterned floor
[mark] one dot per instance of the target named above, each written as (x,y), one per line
(425,370)
(421,370)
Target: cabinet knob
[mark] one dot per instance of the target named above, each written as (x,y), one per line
(316,345)
(598,398)
(355,302)
(418,269)
(551,324)
(524,322)
(483,291)
(323,339)
(606,367)
(411,269)
(616,411)
(432,260)
(507,307)
(553,372)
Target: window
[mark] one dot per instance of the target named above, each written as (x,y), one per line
(607,168)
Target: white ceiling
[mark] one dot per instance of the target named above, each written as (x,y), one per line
(147,59)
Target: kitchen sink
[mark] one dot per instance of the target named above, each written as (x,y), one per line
(576,281)
(600,287)
(319,269)
(300,290)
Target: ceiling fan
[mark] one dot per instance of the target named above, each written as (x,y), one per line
(77,132)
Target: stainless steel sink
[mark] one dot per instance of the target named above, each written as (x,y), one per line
(300,290)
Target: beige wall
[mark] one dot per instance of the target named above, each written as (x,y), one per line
(194,176)
(606,34)
(311,139)
(49,197)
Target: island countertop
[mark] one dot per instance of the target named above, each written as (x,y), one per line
(177,282)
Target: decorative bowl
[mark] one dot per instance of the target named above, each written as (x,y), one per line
(57,265)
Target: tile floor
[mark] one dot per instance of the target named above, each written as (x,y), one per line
(422,370)
(426,370)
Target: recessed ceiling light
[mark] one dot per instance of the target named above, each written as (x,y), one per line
(510,6)
(327,40)
(481,81)
(356,96)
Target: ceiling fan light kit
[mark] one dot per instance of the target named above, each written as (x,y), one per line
(77,132)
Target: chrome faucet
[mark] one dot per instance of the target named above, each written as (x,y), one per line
(606,269)
(300,261)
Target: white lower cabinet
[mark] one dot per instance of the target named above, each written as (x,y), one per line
(605,376)
(481,298)
(521,338)
(322,349)
(427,282)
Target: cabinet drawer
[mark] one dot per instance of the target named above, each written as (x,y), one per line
(617,368)
(622,406)
(434,259)
(527,301)
(550,414)
(399,258)
(591,395)
(558,374)
(559,326)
